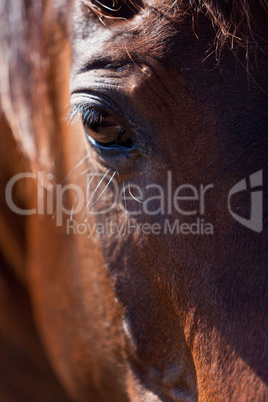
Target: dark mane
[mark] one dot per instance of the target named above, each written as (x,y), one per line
(24,99)
(234,20)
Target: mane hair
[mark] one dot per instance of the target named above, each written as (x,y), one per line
(24,99)
(236,22)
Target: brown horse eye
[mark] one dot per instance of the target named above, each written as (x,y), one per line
(107,131)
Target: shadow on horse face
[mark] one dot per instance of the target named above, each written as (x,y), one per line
(157,293)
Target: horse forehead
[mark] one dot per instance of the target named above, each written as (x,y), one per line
(146,34)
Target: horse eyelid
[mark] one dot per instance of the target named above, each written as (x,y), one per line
(74,113)
(83,110)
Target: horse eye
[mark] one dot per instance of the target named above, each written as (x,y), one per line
(105,130)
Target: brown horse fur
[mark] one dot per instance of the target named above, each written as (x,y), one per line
(138,317)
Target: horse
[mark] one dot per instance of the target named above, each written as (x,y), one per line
(133,252)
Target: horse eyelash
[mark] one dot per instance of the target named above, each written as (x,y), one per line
(89,115)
